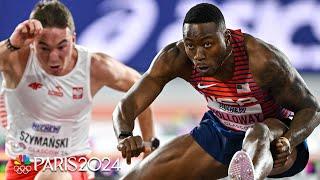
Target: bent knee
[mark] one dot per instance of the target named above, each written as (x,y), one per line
(259,132)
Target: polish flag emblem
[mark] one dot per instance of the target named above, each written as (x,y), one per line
(77,92)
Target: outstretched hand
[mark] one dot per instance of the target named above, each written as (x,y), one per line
(281,151)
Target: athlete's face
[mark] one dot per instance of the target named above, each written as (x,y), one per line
(54,47)
(205,45)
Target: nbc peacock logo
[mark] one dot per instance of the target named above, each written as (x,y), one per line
(22,164)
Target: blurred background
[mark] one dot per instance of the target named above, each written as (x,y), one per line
(133,31)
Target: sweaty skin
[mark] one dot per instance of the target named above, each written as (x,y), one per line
(207,47)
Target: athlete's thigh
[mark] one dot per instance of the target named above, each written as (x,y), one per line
(182,158)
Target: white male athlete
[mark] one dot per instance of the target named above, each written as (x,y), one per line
(48,86)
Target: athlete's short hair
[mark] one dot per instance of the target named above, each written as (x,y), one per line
(52,13)
(204,13)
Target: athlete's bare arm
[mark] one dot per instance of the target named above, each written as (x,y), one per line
(13,62)
(273,72)
(106,71)
(170,63)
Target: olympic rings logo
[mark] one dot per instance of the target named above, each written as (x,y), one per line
(22,169)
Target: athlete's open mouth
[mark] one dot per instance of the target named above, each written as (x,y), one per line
(203,68)
(55,68)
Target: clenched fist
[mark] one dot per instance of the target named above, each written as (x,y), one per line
(25,32)
(281,151)
(131,146)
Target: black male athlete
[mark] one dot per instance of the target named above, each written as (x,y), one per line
(252,90)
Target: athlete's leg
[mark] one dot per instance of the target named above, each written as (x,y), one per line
(183,158)
(257,145)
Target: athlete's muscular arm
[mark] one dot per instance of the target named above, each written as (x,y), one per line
(105,71)
(5,56)
(273,72)
(163,69)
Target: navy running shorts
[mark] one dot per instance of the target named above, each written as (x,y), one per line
(222,143)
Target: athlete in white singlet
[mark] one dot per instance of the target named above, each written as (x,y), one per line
(49,115)
(48,86)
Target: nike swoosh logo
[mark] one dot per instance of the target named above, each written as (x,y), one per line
(205,86)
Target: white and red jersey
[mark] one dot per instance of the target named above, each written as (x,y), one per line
(46,115)
(239,102)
